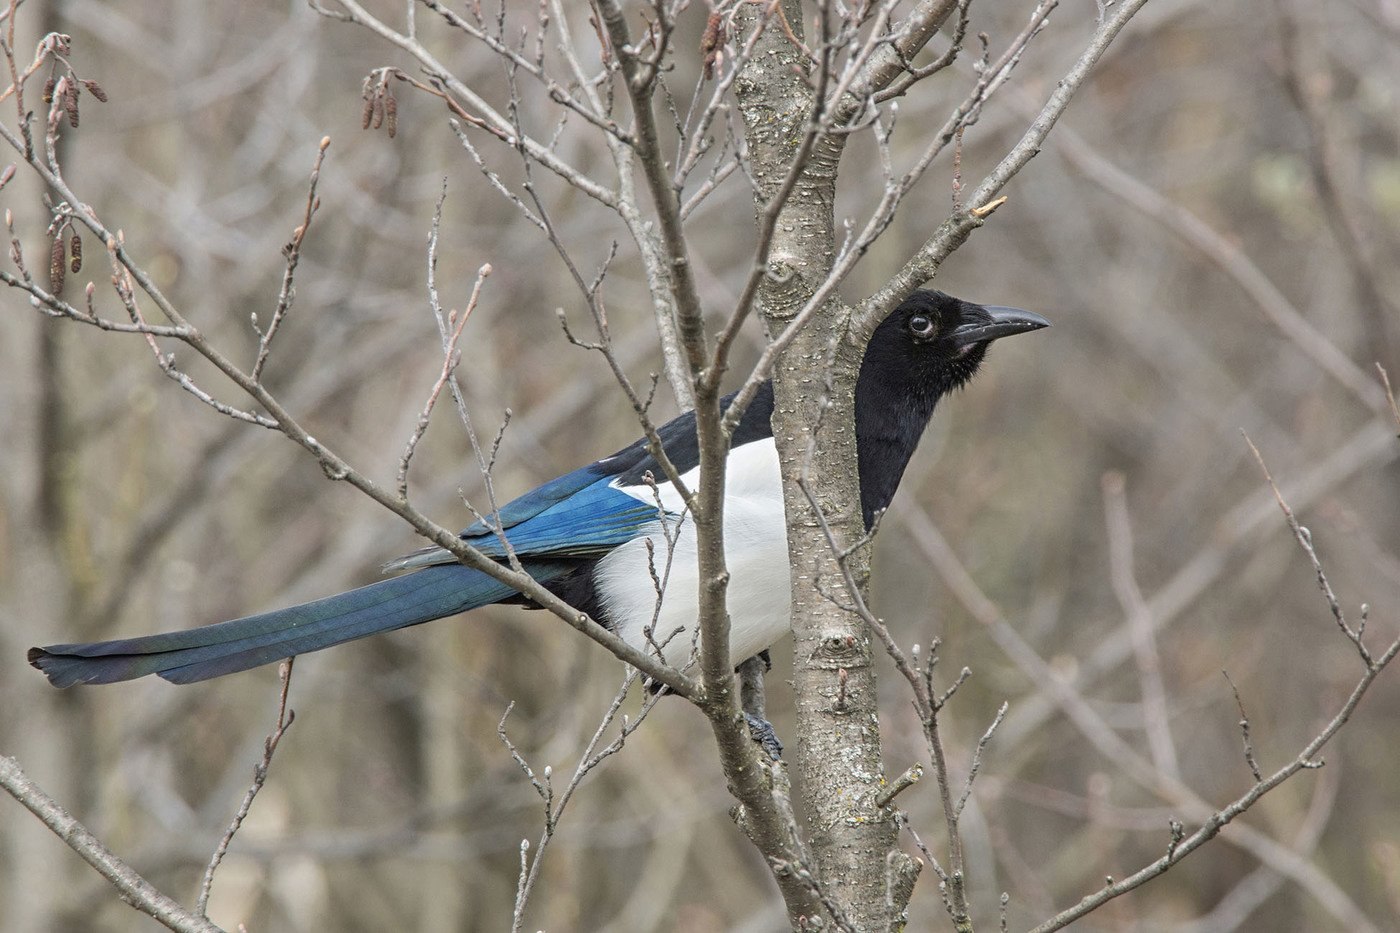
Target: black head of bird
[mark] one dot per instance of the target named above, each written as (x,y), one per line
(933,343)
(930,345)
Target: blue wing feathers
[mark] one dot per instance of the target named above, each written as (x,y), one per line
(591,521)
(540,498)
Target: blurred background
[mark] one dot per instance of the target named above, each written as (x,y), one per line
(1212,230)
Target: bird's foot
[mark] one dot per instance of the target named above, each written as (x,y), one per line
(762,732)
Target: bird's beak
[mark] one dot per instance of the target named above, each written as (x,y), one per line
(1004,323)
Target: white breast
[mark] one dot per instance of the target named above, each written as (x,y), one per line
(755,542)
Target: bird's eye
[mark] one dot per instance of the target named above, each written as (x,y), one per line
(921,326)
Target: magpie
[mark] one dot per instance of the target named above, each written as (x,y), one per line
(585,535)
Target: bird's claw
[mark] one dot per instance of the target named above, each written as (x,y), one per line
(762,732)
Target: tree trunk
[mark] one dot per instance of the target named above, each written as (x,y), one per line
(838,744)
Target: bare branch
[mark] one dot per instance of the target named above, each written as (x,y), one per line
(889,61)
(871,312)
(285,718)
(557,92)
(1112,747)
(1249,758)
(1222,817)
(456,321)
(485,116)
(1370,446)
(926,704)
(135,890)
(1304,537)
(977,757)
(128,277)
(591,757)
(292,253)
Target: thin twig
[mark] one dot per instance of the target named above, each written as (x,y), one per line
(129,276)
(926,704)
(285,717)
(1249,758)
(954,231)
(485,116)
(1304,537)
(451,357)
(554,806)
(977,757)
(292,254)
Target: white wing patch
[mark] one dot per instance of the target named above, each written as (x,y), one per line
(755,543)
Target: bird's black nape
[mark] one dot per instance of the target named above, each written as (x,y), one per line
(931,344)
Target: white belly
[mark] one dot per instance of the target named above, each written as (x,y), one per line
(755,536)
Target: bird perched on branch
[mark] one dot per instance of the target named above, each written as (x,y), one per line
(585,535)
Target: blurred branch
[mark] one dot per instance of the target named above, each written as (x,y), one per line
(1304,760)
(134,889)
(1341,213)
(1154,694)
(1229,258)
(1389,394)
(1113,748)
(1373,445)
(1232,910)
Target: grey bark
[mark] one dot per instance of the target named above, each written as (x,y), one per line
(838,742)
